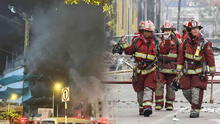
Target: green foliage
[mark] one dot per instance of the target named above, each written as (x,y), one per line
(9,115)
(106,4)
(93,2)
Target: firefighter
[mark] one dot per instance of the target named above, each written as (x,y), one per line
(143,48)
(184,31)
(195,54)
(167,66)
(118,49)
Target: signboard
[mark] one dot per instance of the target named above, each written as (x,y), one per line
(45,112)
(65,94)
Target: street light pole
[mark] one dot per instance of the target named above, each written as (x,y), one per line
(53,103)
(26,39)
(57,110)
(57,87)
(167,10)
(27,26)
(8,107)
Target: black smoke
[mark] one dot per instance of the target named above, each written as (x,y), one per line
(67,44)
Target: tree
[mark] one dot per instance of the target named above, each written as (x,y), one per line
(9,115)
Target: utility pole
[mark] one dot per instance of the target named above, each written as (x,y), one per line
(158,10)
(27,26)
(141,10)
(26,36)
(178,19)
(26,41)
(167,10)
(150,10)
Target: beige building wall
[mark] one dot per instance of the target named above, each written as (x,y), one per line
(126,16)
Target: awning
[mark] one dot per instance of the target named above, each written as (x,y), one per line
(6,93)
(16,78)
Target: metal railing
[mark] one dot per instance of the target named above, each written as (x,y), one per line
(130,82)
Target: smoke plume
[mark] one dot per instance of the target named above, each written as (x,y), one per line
(67,44)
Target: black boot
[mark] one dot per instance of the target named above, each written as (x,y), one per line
(147,112)
(169,108)
(141,111)
(194,114)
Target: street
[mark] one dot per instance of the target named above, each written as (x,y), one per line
(125,108)
(72,61)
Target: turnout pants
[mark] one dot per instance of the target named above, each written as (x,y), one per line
(193,87)
(165,80)
(145,86)
(194,96)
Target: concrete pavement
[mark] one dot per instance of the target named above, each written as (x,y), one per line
(121,107)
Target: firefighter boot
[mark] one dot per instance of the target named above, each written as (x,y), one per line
(147,102)
(194,114)
(169,108)
(141,110)
(158,107)
(169,105)
(147,112)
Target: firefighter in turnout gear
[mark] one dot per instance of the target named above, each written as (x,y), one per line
(167,66)
(143,48)
(184,31)
(195,60)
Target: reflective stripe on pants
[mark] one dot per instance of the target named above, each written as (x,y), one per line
(148,97)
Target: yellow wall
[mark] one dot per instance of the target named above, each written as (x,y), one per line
(122,27)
